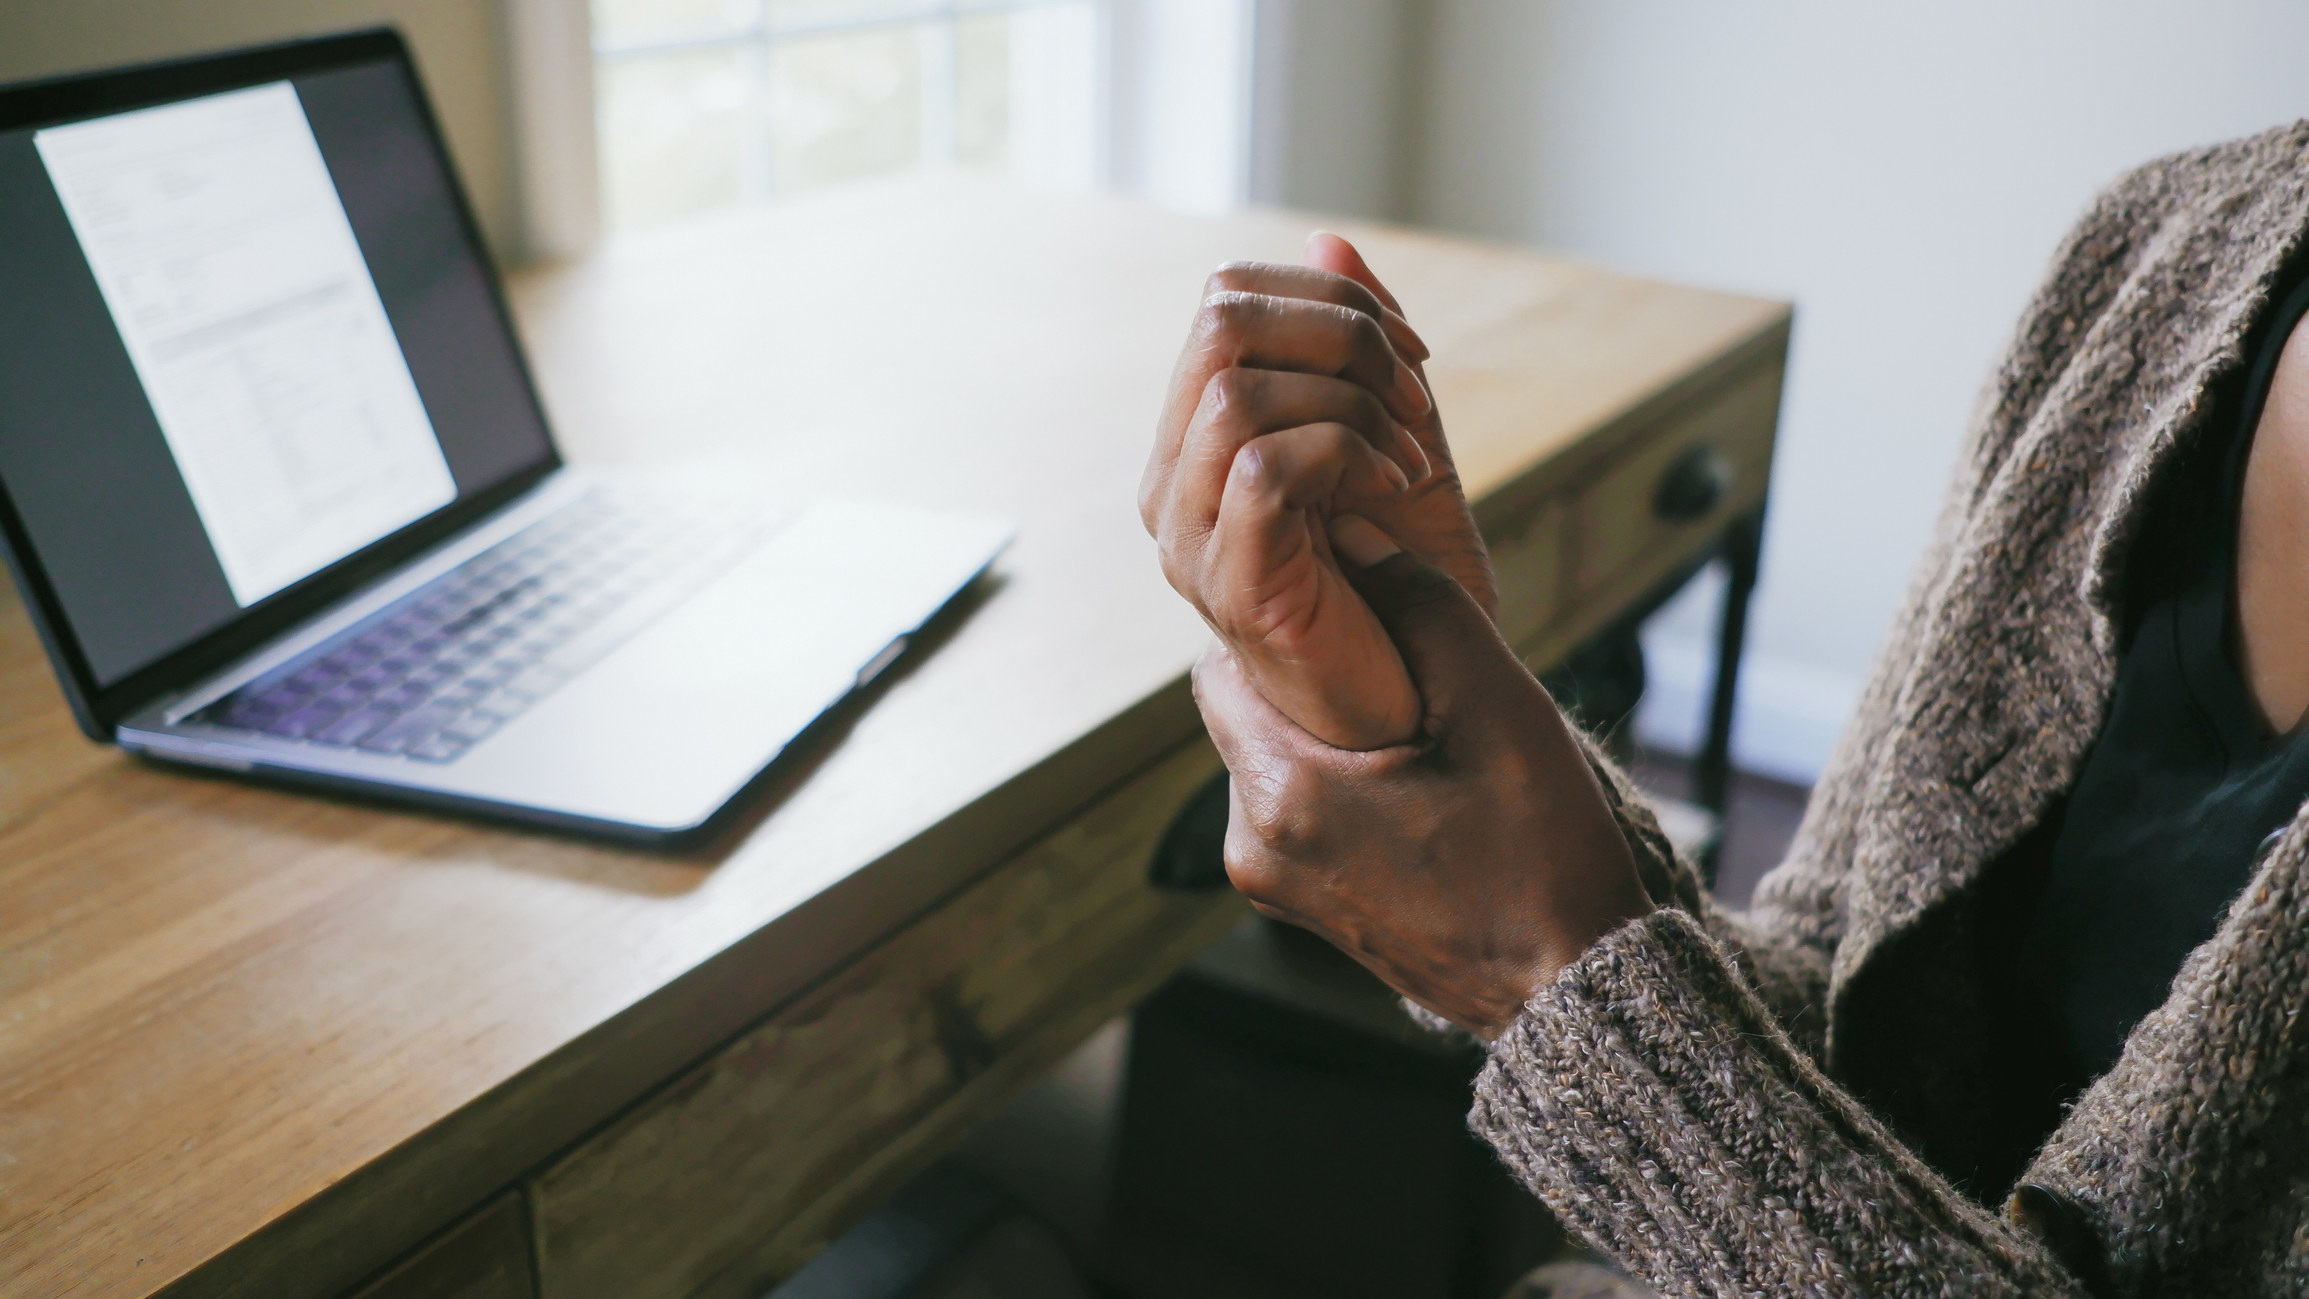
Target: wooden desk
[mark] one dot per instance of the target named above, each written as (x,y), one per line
(267,1044)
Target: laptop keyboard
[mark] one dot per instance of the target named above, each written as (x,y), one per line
(438,670)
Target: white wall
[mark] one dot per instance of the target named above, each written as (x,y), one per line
(1900,171)
(1332,100)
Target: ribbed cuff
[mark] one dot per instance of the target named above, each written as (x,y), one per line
(1648,1097)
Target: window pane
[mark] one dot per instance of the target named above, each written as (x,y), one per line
(619,23)
(982,91)
(707,102)
(844,106)
(675,133)
(786,14)
(1053,96)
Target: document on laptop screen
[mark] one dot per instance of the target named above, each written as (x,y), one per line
(232,274)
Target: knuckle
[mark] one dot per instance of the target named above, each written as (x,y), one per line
(1231,392)
(1298,791)
(1231,276)
(1247,868)
(1229,308)
(1225,322)
(1266,818)
(1178,551)
(1264,472)
(1175,568)
(1247,468)
(1256,869)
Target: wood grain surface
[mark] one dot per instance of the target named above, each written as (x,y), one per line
(734,1172)
(255,1042)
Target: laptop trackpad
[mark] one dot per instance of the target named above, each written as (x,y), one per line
(666,728)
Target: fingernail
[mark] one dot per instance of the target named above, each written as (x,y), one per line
(1405,335)
(1361,541)
(1411,339)
(1413,456)
(1395,474)
(1409,391)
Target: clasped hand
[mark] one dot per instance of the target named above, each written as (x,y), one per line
(1401,784)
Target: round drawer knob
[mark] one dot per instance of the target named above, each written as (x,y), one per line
(1694,484)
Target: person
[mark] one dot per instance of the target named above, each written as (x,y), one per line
(2019,1013)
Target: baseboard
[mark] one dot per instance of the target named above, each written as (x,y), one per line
(1788,716)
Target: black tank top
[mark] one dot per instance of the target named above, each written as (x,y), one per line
(2182,791)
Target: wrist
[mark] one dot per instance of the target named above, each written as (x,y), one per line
(1568,931)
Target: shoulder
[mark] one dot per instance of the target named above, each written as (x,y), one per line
(2203,179)
(2168,242)
(2191,190)
(2233,189)
(2227,199)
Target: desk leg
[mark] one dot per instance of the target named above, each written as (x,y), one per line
(1742,549)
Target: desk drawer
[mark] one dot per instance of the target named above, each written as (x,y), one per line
(1527,563)
(1650,506)
(486,1256)
(735,1173)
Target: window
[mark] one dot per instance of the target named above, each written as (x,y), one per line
(707,102)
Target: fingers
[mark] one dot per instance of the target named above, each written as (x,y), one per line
(1317,282)
(1272,592)
(1258,530)
(1248,331)
(1235,329)
(1271,332)
(1294,318)
(1312,465)
(1248,575)
(1242,405)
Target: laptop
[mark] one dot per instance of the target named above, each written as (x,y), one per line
(282,501)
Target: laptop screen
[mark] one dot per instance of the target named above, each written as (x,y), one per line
(247,336)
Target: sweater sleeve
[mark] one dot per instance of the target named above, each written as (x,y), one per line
(1786,963)
(1662,1095)
(1650,1099)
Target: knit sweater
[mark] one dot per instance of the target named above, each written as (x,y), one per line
(1741,1102)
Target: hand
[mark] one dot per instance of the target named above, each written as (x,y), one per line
(1298,419)
(1464,870)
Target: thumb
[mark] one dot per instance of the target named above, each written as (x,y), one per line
(1450,646)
